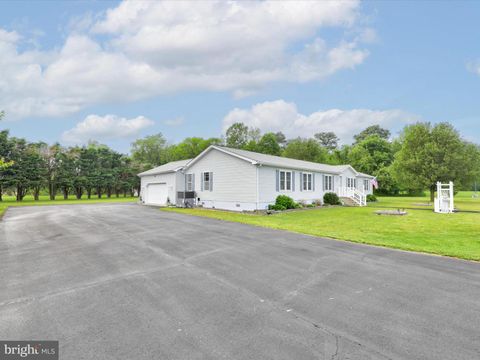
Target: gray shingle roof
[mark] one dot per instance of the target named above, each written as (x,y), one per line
(284,162)
(165,168)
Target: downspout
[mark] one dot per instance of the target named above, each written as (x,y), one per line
(258,187)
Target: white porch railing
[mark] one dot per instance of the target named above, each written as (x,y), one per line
(358,196)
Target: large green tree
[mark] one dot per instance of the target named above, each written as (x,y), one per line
(268,144)
(372,130)
(190,147)
(3,163)
(37,168)
(328,140)
(150,151)
(371,154)
(21,175)
(237,136)
(50,157)
(431,153)
(281,139)
(305,149)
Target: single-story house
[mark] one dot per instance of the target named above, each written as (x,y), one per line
(233,179)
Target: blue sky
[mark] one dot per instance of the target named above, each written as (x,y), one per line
(85,70)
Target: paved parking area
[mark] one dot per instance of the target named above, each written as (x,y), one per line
(122,281)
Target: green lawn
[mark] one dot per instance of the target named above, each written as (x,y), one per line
(463,201)
(422,230)
(44,200)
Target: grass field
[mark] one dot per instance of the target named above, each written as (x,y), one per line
(422,230)
(44,200)
(463,201)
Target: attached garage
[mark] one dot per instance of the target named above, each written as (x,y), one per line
(159,186)
(156,194)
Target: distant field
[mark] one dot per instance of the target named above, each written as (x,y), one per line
(44,200)
(422,230)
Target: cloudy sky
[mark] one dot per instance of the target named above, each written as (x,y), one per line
(113,71)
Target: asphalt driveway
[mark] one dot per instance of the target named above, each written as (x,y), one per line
(131,282)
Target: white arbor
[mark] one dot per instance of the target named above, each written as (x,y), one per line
(444,200)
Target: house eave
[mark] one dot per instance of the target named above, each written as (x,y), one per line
(146,173)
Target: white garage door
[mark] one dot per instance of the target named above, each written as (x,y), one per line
(157,194)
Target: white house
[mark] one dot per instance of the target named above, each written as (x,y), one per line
(233,179)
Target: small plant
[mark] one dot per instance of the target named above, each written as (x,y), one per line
(371,198)
(317,202)
(285,201)
(331,198)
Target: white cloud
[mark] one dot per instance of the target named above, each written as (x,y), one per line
(283,116)
(142,49)
(474,67)
(95,127)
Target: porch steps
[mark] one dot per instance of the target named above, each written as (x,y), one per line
(348,201)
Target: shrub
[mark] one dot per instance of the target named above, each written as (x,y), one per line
(285,201)
(317,202)
(276,207)
(371,198)
(331,199)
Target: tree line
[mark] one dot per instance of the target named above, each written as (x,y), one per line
(411,163)
(36,168)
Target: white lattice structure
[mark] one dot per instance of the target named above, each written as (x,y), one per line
(444,201)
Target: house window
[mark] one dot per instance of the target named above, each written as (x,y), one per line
(307,182)
(366,185)
(206,181)
(328,182)
(351,182)
(285,180)
(189,182)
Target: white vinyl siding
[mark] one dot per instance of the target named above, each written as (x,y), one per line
(231,180)
(171,180)
(269,186)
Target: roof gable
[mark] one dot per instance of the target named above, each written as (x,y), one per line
(223,150)
(166,168)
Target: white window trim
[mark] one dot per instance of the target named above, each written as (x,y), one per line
(189,182)
(351,182)
(311,181)
(326,188)
(203,180)
(280,180)
(366,185)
